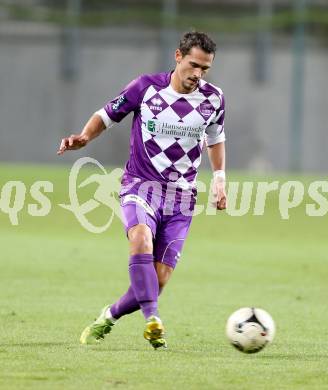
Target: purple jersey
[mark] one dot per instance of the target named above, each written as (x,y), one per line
(169,128)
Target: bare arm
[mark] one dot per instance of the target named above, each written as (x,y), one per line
(216,154)
(94,127)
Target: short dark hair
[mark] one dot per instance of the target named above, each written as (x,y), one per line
(196,39)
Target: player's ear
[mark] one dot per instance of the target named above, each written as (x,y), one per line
(178,56)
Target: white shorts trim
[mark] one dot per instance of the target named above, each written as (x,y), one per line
(141,202)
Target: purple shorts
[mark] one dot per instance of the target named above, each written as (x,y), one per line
(168,215)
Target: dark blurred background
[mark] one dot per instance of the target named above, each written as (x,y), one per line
(60,60)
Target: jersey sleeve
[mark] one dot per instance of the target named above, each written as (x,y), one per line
(127,101)
(214,133)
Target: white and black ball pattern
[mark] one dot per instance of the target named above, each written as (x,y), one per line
(250,329)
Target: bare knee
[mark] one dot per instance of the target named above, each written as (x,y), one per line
(164,273)
(141,240)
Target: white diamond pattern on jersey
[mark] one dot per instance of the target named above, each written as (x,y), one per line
(173,131)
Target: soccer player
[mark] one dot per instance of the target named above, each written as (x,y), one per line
(175,113)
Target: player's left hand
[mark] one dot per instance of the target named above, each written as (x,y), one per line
(219,193)
(72,142)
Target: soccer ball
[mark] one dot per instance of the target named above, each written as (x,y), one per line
(250,329)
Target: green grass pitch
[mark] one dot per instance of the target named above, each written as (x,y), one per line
(55,277)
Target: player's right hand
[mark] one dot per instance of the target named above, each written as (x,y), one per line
(219,196)
(72,142)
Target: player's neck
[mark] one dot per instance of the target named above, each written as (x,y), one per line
(177,85)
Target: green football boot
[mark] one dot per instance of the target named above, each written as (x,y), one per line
(154,332)
(97,331)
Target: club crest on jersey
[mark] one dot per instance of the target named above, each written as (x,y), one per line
(156,104)
(206,109)
(119,102)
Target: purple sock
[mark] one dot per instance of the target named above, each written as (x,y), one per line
(144,283)
(127,304)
